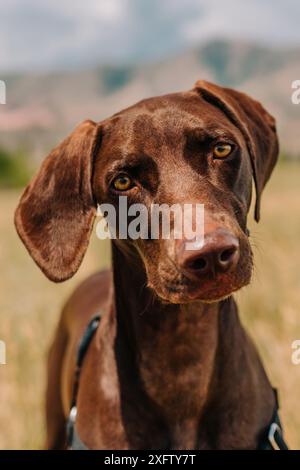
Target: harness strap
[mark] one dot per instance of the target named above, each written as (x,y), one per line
(82,349)
(272,438)
(275,436)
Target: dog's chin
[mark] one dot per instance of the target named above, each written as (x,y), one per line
(208,293)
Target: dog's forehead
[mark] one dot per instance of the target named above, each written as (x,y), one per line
(166,120)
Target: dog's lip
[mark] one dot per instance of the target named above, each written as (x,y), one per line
(214,289)
(216,293)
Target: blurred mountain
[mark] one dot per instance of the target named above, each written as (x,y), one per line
(42,108)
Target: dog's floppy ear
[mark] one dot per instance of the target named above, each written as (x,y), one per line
(255,123)
(56,212)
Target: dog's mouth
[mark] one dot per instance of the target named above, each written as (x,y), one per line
(181,289)
(211,291)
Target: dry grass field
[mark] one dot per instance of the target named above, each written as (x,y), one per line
(30,305)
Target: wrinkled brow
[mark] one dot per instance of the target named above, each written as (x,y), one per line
(207,134)
(135,164)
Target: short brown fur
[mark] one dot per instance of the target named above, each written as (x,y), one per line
(170,366)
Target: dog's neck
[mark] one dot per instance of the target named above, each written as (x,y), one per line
(189,358)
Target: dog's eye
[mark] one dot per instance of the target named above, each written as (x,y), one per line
(122,183)
(222,150)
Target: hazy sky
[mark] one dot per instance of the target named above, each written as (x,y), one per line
(63,33)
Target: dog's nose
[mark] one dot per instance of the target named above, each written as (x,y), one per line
(219,253)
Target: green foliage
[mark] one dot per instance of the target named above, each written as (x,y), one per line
(14,169)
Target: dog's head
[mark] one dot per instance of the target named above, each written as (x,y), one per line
(201,146)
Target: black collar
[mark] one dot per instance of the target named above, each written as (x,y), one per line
(271,439)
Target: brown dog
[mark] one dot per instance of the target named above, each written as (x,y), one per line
(170,366)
